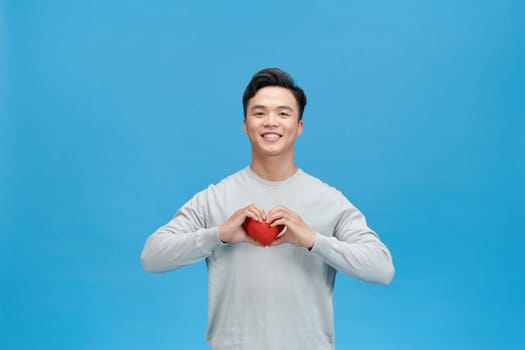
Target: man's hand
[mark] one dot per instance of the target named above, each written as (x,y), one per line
(232,231)
(297,232)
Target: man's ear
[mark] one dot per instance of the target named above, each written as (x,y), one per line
(300,128)
(244,126)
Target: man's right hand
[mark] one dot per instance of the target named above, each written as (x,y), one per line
(232,231)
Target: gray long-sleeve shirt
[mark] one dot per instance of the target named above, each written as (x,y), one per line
(273,297)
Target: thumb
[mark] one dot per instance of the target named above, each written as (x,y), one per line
(278,241)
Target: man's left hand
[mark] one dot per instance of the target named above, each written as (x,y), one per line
(297,232)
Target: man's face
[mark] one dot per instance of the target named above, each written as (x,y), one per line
(272,122)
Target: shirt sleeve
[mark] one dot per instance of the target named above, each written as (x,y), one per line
(182,241)
(354,249)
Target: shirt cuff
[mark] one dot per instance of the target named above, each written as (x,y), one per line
(208,239)
(321,243)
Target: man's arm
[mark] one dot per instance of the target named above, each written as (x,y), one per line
(182,241)
(186,238)
(354,249)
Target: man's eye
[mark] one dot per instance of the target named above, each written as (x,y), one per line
(259,114)
(283,114)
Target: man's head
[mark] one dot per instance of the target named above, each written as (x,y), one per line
(273,107)
(273,77)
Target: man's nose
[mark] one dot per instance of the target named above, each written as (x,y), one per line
(271,119)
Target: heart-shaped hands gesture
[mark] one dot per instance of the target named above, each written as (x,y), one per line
(262,229)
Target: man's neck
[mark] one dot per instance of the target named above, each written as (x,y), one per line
(273,168)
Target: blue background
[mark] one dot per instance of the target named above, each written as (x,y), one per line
(113,114)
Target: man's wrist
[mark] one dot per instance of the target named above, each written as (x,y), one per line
(311,242)
(219,235)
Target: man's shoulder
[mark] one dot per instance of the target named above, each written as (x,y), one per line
(313,182)
(220,187)
(231,179)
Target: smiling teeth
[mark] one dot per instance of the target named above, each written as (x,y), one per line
(271,136)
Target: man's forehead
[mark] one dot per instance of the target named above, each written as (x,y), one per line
(273,96)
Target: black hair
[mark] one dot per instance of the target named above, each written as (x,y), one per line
(273,77)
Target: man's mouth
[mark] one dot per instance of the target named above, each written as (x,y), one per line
(270,136)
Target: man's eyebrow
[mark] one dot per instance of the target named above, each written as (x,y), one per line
(257,106)
(278,107)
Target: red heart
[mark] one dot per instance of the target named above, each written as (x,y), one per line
(262,232)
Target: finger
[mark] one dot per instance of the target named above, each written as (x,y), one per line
(277,222)
(280,207)
(275,215)
(283,231)
(279,241)
(275,210)
(252,213)
(250,240)
(254,242)
(259,212)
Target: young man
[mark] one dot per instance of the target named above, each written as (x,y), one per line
(276,297)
